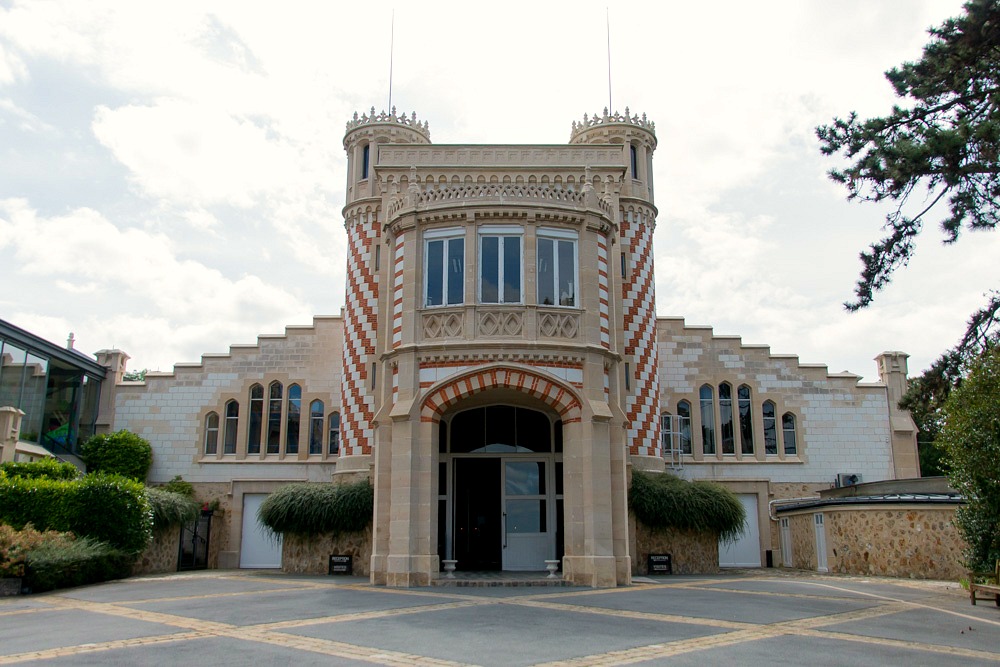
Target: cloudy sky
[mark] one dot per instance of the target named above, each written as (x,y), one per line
(172,174)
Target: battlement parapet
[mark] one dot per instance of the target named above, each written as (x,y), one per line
(609,119)
(391,117)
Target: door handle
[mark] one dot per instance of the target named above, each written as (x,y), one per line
(504,530)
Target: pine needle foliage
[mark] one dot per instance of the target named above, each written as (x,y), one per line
(665,501)
(171,508)
(312,509)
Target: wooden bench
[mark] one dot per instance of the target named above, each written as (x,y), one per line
(991,587)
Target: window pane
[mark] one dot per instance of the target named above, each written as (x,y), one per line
(567,273)
(525,516)
(684,425)
(546,272)
(293,419)
(746,420)
(232,422)
(334,432)
(770,429)
(512,269)
(490,269)
(456,271)
(524,478)
(274,419)
(256,419)
(726,419)
(706,396)
(435,273)
(316,427)
(788,432)
(212,433)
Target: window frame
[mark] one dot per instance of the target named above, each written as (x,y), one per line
(232,426)
(503,232)
(333,443)
(765,407)
(684,427)
(293,418)
(444,237)
(745,419)
(708,443)
(556,237)
(314,428)
(727,427)
(254,444)
(211,434)
(275,408)
(785,419)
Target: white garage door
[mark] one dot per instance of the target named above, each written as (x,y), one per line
(259,548)
(745,551)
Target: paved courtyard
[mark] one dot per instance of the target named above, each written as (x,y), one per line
(750,618)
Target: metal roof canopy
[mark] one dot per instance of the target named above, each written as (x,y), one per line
(33,343)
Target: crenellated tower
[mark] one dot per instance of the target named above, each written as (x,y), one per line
(363,221)
(637,220)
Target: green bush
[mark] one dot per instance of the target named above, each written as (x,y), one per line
(120,453)
(666,501)
(46,469)
(178,485)
(60,563)
(171,508)
(108,508)
(311,509)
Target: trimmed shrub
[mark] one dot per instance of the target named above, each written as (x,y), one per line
(109,508)
(69,561)
(666,501)
(44,469)
(311,509)
(171,508)
(120,453)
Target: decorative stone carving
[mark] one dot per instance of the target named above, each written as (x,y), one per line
(390,117)
(500,323)
(558,325)
(607,118)
(443,325)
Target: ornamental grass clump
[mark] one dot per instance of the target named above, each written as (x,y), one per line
(664,501)
(312,509)
(171,508)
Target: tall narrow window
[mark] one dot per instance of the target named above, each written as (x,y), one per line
(256,419)
(444,272)
(684,426)
(500,266)
(232,424)
(726,432)
(274,418)
(668,437)
(365,161)
(316,427)
(746,419)
(212,433)
(334,433)
(557,268)
(706,396)
(634,160)
(292,419)
(788,432)
(770,428)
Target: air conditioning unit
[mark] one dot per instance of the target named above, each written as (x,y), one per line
(848,479)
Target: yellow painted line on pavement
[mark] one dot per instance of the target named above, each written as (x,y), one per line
(79,649)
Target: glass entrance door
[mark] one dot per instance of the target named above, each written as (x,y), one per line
(527,536)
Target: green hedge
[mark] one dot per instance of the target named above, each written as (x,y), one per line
(120,453)
(171,508)
(108,508)
(666,501)
(74,562)
(311,509)
(46,469)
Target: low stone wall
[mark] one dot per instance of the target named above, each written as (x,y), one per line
(161,555)
(915,543)
(311,554)
(690,552)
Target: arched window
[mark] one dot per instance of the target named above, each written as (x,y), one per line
(668,436)
(746,420)
(634,160)
(707,397)
(274,418)
(334,433)
(726,432)
(684,426)
(256,419)
(770,428)
(293,418)
(212,433)
(366,154)
(316,427)
(788,433)
(232,423)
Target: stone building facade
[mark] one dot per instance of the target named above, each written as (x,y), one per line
(499,368)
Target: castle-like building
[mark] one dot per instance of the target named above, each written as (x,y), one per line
(498,371)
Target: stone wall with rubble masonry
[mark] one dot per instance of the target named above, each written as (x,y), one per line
(690,552)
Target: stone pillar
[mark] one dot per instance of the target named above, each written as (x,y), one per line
(10,428)
(116,362)
(892,372)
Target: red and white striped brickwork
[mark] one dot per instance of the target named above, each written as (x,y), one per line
(559,398)
(641,404)
(397,292)
(360,325)
(603,291)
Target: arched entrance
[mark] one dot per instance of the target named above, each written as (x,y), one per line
(500,502)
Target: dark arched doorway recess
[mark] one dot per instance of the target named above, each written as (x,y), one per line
(500,494)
